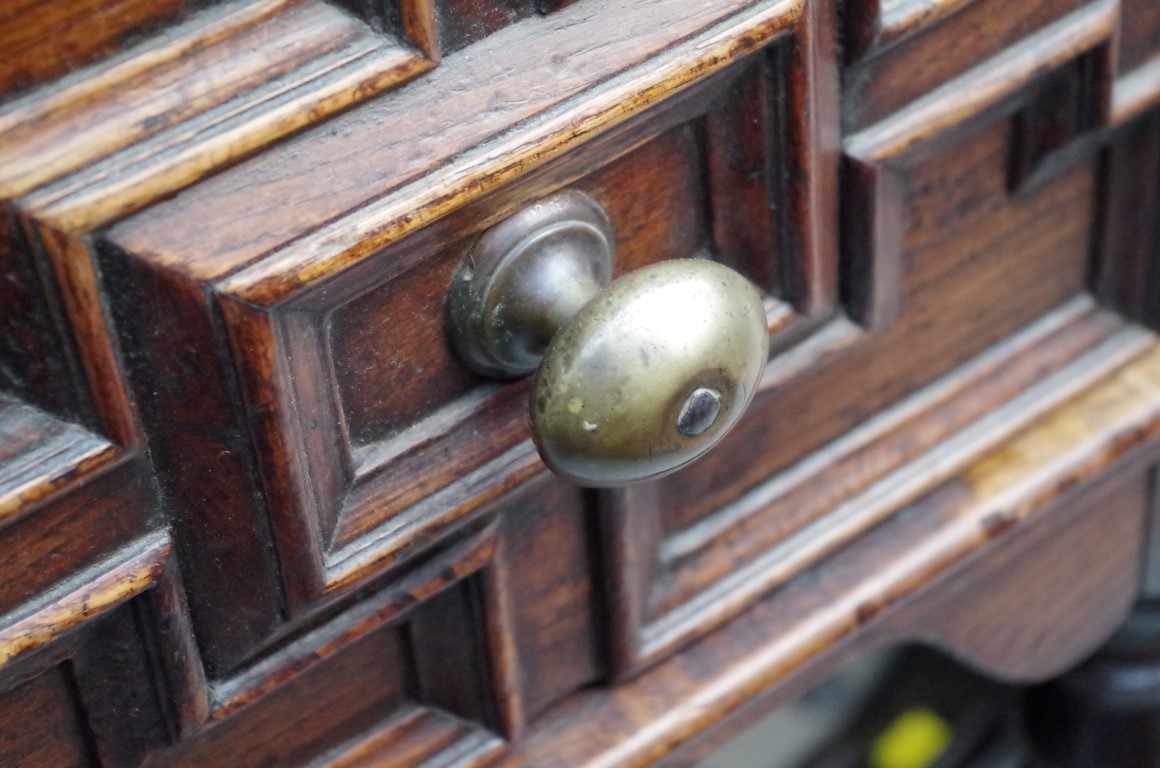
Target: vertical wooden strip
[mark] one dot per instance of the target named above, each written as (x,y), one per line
(275,434)
(421,28)
(810,112)
(873,225)
(1127,269)
(185,387)
(738,168)
(503,661)
(631,535)
(167,614)
(81,295)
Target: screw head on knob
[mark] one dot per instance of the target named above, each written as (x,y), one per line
(639,378)
(650,374)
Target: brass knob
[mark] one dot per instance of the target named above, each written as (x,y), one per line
(636,378)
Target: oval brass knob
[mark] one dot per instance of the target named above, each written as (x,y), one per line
(638,378)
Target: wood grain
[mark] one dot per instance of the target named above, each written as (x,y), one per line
(398,174)
(225,85)
(42,41)
(923,44)
(1013,486)
(253,510)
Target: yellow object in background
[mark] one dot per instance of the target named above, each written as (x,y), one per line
(916,738)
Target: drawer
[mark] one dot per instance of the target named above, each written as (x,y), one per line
(334,416)
(300,492)
(899,52)
(331,412)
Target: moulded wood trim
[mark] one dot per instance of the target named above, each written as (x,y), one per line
(1109,429)
(955,105)
(213,90)
(1136,93)
(60,456)
(870,478)
(880,24)
(89,595)
(492,161)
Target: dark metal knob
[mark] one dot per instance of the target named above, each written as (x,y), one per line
(636,378)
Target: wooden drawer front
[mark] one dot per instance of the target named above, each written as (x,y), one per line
(41,724)
(898,52)
(364,443)
(1139,34)
(960,274)
(944,225)
(371,442)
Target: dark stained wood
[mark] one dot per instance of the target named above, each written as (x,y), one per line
(1126,255)
(374,340)
(253,510)
(554,600)
(352,693)
(213,468)
(365,489)
(40,723)
(972,251)
(40,362)
(1139,33)
(767,536)
(234,79)
(859,602)
(46,40)
(923,45)
(500,88)
(1070,104)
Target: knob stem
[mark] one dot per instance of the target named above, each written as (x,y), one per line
(525,279)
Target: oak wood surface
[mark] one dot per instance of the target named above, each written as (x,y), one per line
(254,511)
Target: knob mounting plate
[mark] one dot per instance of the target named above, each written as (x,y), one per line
(527,277)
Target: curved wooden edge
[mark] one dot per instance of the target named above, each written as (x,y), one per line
(124,576)
(214,89)
(878,25)
(1136,93)
(971,94)
(1044,484)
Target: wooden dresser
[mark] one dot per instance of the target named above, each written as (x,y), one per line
(255,511)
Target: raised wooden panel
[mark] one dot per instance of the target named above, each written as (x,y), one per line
(40,723)
(327,705)
(254,511)
(117,632)
(433,648)
(371,440)
(1139,33)
(68,498)
(45,40)
(1128,264)
(222,81)
(391,361)
(1026,495)
(900,50)
(952,214)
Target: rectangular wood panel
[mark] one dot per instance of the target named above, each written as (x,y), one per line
(255,510)
(41,723)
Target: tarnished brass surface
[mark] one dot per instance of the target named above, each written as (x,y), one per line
(650,374)
(525,278)
(639,378)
